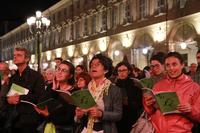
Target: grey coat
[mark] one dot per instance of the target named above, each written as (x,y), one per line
(113,109)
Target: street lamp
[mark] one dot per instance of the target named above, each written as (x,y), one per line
(37,25)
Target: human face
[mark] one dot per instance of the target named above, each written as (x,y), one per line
(49,75)
(58,62)
(123,72)
(156,67)
(173,67)
(19,58)
(81,83)
(193,67)
(63,73)
(198,58)
(78,70)
(97,69)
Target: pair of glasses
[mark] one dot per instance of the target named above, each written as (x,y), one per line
(62,70)
(123,70)
(156,65)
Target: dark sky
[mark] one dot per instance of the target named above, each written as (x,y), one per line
(15,12)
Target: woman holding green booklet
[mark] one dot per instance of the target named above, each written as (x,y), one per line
(102,117)
(59,117)
(188,93)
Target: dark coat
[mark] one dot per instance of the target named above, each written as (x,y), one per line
(132,104)
(26,114)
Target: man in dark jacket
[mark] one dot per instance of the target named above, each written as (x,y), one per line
(26,119)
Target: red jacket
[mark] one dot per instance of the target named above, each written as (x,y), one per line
(188,92)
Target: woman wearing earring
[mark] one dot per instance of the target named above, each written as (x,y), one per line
(102,117)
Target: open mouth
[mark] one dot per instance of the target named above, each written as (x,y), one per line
(94,70)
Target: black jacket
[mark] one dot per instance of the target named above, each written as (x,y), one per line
(132,103)
(34,82)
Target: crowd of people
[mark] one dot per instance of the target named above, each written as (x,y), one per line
(117,91)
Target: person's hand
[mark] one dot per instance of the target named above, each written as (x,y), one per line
(43,112)
(149,99)
(184,108)
(95,112)
(79,112)
(6,80)
(13,99)
(55,84)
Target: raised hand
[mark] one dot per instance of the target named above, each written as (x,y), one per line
(149,99)
(55,84)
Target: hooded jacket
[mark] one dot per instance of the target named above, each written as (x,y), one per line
(187,92)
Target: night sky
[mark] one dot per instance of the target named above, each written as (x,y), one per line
(15,12)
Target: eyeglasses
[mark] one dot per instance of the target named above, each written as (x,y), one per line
(156,65)
(62,70)
(95,64)
(123,70)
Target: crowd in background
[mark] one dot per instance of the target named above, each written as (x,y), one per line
(116,90)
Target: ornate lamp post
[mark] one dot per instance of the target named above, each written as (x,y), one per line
(37,25)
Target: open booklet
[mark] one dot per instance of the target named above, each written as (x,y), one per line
(17,90)
(83,99)
(166,101)
(80,98)
(66,95)
(51,104)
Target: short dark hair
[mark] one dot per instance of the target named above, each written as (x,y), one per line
(176,55)
(158,57)
(71,81)
(58,58)
(82,67)
(105,61)
(26,51)
(129,67)
(85,76)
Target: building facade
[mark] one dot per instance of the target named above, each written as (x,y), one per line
(134,29)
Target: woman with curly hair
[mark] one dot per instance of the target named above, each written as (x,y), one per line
(102,117)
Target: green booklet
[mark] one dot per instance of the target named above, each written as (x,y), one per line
(83,99)
(147,82)
(17,90)
(167,102)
